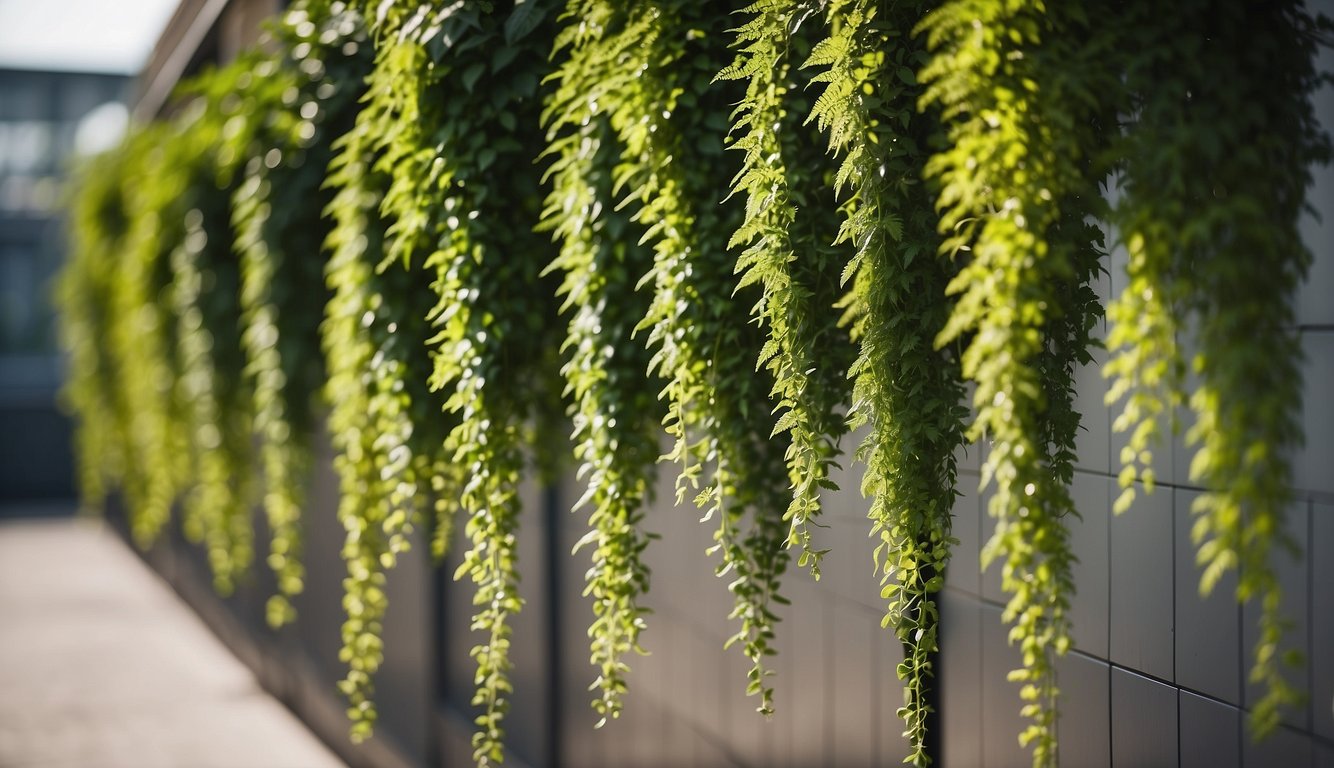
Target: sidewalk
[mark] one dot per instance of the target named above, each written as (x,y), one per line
(102,666)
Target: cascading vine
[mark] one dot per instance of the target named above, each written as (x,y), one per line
(693,325)
(384,422)
(464,200)
(216,509)
(142,338)
(793,262)
(1217,160)
(615,411)
(84,293)
(217,403)
(301,101)
(1016,88)
(907,392)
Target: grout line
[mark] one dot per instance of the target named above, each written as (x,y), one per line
(1111,520)
(1309,561)
(1111,717)
(1178,703)
(1299,494)
(1173,578)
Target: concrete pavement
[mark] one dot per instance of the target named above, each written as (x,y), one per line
(102,666)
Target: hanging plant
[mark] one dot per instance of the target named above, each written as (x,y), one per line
(1216,165)
(693,325)
(142,336)
(907,392)
(384,422)
(447,144)
(218,407)
(1018,89)
(614,409)
(302,104)
(193,329)
(789,254)
(84,294)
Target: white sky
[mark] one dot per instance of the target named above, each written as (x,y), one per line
(81,35)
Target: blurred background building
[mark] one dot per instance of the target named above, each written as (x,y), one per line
(63,94)
(45,117)
(66,74)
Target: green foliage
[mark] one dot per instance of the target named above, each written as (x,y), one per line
(153,465)
(301,105)
(694,327)
(85,293)
(906,391)
(790,256)
(463,202)
(1018,88)
(615,410)
(384,421)
(1215,170)
(205,282)
(394,202)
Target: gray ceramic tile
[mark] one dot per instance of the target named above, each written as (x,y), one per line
(1144,722)
(637,734)
(1210,733)
(890,744)
(1285,748)
(964,572)
(653,675)
(1311,468)
(849,570)
(1001,721)
(402,691)
(1088,540)
(320,611)
(529,732)
(746,734)
(454,742)
(1313,305)
(960,680)
(854,632)
(1292,575)
(805,692)
(675,563)
(674,739)
(710,753)
(779,727)
(1085,725)
(581,745)
(1208,636)
(969,457)
(991,575)
(682,579)
(1141,586)
(710,676)
(1322,620)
